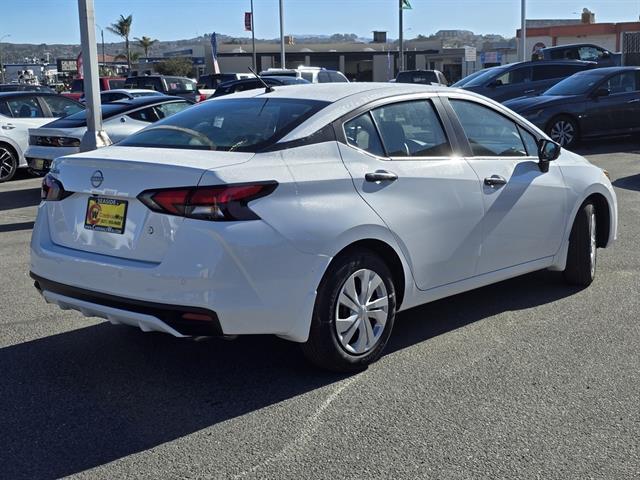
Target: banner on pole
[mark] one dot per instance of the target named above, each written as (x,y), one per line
(406,5)
(79,65)
(248,22)
(214,53)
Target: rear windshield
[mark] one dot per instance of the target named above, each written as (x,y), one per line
(417,77)
(179,85)
(243,125)
(577,84)
(116,83)
(79,119)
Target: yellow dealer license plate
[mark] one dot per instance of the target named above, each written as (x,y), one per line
(106,215)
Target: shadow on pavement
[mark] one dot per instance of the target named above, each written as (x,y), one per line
(84,398)
(11,199)
(608,145)
(14,227)
(632,182)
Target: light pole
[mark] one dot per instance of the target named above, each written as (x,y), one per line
(282,60)
(1,63)
(523,30)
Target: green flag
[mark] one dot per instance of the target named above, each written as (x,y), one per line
(406,5)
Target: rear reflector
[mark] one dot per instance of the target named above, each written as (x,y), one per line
(197,316)
(216,203)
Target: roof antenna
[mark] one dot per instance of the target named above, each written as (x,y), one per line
(267,88)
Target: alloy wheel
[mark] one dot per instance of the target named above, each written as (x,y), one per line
(362,311)
(8,164)
(563,132)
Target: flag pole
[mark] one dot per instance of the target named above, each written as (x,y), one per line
(253,39)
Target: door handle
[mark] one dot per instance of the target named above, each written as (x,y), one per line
(495,181)
(380,176)
(530,91)
(8,126)
(634,101)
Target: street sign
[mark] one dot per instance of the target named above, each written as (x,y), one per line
(469,54)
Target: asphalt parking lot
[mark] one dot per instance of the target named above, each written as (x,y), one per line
(528,378)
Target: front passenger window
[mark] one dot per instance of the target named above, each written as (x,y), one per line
(489,133)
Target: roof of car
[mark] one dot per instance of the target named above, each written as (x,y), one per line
(571,45)
(275,79)
(546,62)
(132,90)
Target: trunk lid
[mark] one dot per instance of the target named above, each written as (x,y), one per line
(116,175)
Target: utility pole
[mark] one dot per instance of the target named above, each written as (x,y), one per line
(282,59)
(253,39)
(401,39)
(95,136)
(523,30)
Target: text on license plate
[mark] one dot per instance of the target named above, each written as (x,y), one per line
(106,215)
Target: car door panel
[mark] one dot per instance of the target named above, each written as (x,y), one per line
(524,213)
(433,207)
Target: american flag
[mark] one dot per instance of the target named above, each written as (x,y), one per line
(214,53)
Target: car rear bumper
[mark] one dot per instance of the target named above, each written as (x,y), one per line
(245,275)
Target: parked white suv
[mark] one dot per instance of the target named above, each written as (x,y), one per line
(315,213)
(310,74)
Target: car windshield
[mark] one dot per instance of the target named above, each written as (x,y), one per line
(577,84)
(468,78)
(484,77)
(243,125)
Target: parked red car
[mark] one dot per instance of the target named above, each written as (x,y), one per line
(106,83)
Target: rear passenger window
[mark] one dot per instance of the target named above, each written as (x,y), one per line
(519,75)
(25,107)
(489,133)
(362,134)
(323,77)
(411,129)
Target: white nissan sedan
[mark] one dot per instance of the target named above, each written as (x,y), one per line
(314,213)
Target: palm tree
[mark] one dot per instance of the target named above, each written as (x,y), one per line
(122,28)
(146,43)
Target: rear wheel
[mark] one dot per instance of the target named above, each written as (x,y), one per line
(8,163)
(582,255)
(563,130)
(353,315)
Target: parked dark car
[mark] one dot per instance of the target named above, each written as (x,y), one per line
(25,87)
(524,79)
(593,103)
(580,51)
(253,83)
(169,85)
(425,77)
(105,83)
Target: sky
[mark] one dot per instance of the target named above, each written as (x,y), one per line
(56,21)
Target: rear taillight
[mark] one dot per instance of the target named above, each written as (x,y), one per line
(222,203)
(201,97)
(52,190)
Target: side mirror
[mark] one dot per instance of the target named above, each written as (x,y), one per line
(601,92)
(548,151)
(606,54)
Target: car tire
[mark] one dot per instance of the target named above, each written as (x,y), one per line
(8,163)
(582,254)
(340,339)
(564,130)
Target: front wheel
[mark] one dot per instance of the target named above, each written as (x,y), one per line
(353,315)
(563,130)
(582,255)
